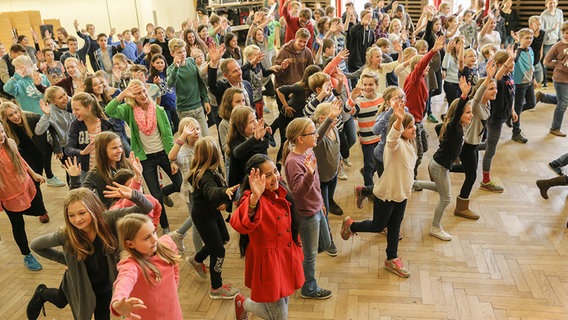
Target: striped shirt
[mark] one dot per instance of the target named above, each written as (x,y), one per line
(366,112)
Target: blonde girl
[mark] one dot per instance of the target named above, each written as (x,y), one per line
(303,179)
(374,65)
(393,189)
(19,195)
(89,251)
(210,194)
(120,71)
(182,154)
(148,275)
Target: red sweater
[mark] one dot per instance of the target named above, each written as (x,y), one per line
(272,257)
(293,25)
(415,88)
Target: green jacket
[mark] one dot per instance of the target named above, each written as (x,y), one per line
(190,88)
(124,111)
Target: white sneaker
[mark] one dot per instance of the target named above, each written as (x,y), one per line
(347,162)
(440,233)
(341,174)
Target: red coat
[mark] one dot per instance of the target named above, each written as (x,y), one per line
(273,262)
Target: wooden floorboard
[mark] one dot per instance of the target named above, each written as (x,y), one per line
(510,264)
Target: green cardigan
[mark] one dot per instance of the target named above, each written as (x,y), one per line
(124,112)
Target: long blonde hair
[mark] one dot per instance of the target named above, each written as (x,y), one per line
(78,241)
(127,229)
(206,156)
(8,128)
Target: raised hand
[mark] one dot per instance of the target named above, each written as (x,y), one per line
(491,68)
(36,76)
(231,191)
(344,54)
(72,167)
(398,109)
(215,52)
(260,130)
(310,163)
(397,46)
(76,24)
(146,48)
(117,191)
(126,307)
(285,63)
(135,164)
(335,109)
(356,92)
(257,182)
(440,43)
(45,108)
(88,149)
(465,87)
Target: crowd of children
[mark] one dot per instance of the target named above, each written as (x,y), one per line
(328,75)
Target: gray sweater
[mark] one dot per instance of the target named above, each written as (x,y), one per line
(480,114)
(76,284)
(59,119)
(327,152)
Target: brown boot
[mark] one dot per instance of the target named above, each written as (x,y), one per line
(544,185)
(462,209)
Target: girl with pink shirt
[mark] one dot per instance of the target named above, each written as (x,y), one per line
(18,194)
(148,275)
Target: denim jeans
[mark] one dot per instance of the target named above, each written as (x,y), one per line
(385,214)
(150,173)
(562,94)
(538,73)
(328,190)
(314,233)
(493,135)
(562,161)
(199,115)
(368,162)
(277,310)
(524,100)
(441,184)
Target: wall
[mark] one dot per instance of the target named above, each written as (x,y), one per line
(122,14)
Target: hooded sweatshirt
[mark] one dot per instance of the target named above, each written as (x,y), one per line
(299,61)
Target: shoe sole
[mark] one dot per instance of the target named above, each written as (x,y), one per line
(439,237)
(395,271)
(332,254)
(465,216)
(222,297)
(316,298)
(357,202)
(490,190)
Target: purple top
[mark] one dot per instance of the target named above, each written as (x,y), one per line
(305,187)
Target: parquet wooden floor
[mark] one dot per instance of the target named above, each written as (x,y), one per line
(510,264)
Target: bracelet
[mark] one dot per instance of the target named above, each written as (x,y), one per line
(252,207)
(179,142)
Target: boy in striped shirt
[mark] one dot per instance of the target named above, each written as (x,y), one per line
(364,103)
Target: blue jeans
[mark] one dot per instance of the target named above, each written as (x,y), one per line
(385,214)
(328,190)
(368,162)
(524,100)
(150,173)
(562,161)
(538,73)
(314,233)
(562,95)
(347,137)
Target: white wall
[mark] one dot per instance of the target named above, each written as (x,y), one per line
(121,14)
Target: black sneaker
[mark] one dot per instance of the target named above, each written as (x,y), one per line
(168,201)
(334,208)
(556,169)
(519,137)
(332,250)
(321,294)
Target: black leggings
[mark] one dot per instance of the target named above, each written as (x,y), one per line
(469,158)
(57,298)
(213,231)
(385,214)
(19,225)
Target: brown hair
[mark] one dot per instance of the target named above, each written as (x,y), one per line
(103,166)
(226,105)
(89,100)
(206,156)
(237,124)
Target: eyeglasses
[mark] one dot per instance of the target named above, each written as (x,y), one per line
(310,134)
(399,98)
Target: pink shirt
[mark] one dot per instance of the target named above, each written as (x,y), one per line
(161,299)
(19,190)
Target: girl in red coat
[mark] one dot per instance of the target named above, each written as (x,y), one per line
(269,242)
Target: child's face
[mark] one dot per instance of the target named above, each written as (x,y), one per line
(526,41)
(119,64)
(159,64)
(369,88)
(409,131)
(437,26)
(565,35)
(160,35)
(467,115)
(14,115)
(491,92)
(272,175)
(423,50)
(535,25)
(79,216)
(102,41)
(145,241)
(376,59)
(180,52)
(73,46)
(330,51)
(127,36)
(309,137)
(79,111)
(238,100)
(467,17)
(114,151)
(251,125)
(60,99)
(259,36)
(49,56)
(72,70)
(470,58)
(196,129)
(203,33)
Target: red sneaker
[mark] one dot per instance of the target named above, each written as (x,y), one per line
(240,312)
(44,218)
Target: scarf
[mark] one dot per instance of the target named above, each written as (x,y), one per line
(146,119)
